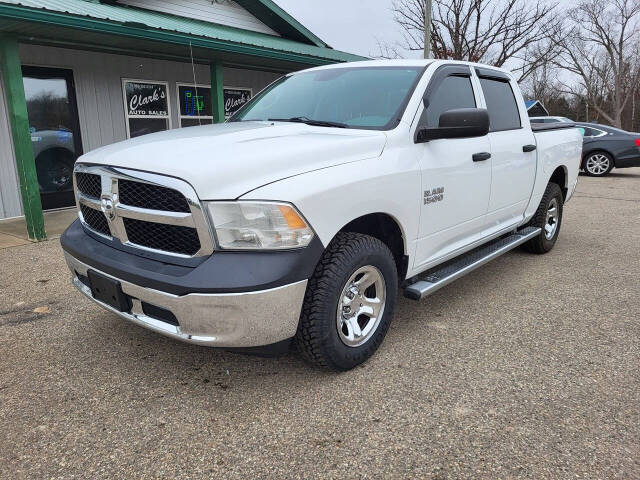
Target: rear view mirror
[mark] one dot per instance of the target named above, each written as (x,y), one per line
(459,123)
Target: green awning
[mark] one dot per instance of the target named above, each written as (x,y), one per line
(116,27)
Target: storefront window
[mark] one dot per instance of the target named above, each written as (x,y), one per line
(194,105)
(146,107)
(55,132)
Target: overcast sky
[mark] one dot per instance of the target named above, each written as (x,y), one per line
(350,25)
(355,26)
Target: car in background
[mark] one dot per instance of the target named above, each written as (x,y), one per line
(605,148)
(550,120)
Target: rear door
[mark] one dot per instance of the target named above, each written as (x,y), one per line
(513,152)
(455,187)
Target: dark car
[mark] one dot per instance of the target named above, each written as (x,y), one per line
(605,148)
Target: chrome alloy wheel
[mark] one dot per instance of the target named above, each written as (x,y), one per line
(598,164)
(361,306)
(551,223)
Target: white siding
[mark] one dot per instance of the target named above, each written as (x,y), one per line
(10,201)
(224,12)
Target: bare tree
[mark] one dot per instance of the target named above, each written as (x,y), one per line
(498,32)
(542,84)
(601,49)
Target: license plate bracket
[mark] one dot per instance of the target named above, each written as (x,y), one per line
(109,291)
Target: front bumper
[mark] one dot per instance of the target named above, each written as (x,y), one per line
(247,319)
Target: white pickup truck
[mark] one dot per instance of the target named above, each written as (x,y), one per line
(301,217)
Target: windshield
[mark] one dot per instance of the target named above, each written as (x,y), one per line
(350,97)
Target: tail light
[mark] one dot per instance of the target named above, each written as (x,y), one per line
(638,142)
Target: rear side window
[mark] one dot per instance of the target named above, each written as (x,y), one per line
(593,132)
(502,105)
(453,93)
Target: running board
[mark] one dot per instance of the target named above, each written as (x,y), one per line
(434,280)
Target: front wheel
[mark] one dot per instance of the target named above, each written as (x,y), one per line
(548,217)
(598,164)
(349,302)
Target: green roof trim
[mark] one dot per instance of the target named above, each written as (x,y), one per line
(160,27)
(272,15)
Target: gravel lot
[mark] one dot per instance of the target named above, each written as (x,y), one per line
(527,368)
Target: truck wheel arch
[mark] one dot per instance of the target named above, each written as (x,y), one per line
(387,229)
(559,177)
(54,149)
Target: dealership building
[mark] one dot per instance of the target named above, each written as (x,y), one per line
(79,74)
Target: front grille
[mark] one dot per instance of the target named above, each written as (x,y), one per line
(153,197)
(165,220)
(170,238)
(95,219)
(89,184)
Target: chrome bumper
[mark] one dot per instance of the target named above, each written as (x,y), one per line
(248,319)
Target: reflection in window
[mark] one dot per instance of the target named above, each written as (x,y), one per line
(453,93)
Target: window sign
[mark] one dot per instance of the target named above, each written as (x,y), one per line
(234,99)
(146,105)
(194,105)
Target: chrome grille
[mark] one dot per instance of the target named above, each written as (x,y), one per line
(142,210)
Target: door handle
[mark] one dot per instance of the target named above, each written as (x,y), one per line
(481,157)
(528,148)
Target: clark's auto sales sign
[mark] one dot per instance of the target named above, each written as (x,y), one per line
(234,99)
(147,99)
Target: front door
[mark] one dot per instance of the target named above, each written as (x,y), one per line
(456,189)
(55,132)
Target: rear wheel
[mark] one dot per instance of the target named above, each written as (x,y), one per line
(598,164)
(349,302)
(548,217)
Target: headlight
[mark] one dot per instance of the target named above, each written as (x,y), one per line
(258,225)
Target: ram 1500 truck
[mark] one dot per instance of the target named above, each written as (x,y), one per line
(303,215)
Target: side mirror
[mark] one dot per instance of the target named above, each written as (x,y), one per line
(459,123)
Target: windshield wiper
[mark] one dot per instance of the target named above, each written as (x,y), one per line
(309,121)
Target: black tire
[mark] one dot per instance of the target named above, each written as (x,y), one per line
(55,170)
(318,338)
(594,172)
(542,243)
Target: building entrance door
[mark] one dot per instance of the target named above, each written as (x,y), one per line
(55,132)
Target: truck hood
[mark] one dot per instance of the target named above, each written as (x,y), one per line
(225,161)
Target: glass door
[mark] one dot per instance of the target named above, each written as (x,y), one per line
(55,132)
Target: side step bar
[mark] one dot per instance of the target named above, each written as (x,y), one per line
(435,279)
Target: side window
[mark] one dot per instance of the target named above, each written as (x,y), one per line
(593,132)
(454,92)
(502,105)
